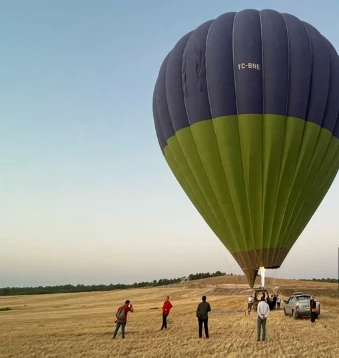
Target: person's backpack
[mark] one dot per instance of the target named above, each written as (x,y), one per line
(121,313)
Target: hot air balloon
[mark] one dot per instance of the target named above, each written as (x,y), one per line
(246,115)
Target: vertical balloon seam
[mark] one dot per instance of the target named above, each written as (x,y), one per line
(187,188)
(253,216)
(286,146)
(336,127)
(192,196)
(215,226)
(263,143)
(202,162)
(219,224)
(220,118)
(275,241)
(324,187)
(303,220)
(288,226)
(198,198)
(235,248)
(161,126)
(331,130)
(333,168)
(297,205)
(184,85)
(237,115)
(300,146)
(291,186)
(302,154)
(241,152)
(332,51)
(324,181)
(216,215)
(234,245)
(259,251)
(278,215)
(246,189)
(286,157)
(234,241)
(159,133)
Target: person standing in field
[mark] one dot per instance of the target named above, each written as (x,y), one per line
(166,307)
(278,302)
(250,301)
(202,315)
(263,311)
(121,316)
(274,302)
(313,308)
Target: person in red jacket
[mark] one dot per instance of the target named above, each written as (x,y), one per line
(166,307)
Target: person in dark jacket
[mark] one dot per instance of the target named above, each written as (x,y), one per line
(313,308)
(274,305)
(202,315)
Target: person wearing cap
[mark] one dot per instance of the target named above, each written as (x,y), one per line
(121,316)
(263,311)
(202,315)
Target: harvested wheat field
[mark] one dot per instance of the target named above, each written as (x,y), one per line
(81,325)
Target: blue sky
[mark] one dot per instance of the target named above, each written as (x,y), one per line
(86,196)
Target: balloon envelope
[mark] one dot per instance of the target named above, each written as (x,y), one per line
(246,114)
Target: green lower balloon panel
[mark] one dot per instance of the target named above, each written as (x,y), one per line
(256,180)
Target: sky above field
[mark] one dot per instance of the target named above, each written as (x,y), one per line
(86,195)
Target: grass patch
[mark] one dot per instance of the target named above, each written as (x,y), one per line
(5,309)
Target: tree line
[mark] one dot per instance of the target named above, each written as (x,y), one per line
(330,280)
(14,291)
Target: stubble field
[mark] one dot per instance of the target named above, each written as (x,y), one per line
(81,325)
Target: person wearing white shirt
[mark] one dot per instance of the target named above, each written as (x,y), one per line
(263,311)
(278,302)
(250,303)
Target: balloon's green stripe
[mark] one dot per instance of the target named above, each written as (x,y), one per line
(256,179)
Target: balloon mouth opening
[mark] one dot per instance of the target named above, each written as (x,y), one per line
(261,271)
(270,267)
(262,274)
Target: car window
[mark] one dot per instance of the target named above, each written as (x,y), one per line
(302,298)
